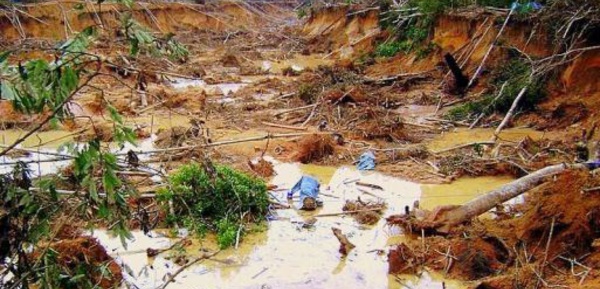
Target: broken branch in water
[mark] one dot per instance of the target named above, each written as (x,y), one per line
(373,186)
(182,268)
(345,244)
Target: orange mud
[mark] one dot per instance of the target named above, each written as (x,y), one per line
(43,19)
(86,253)
(314,148)
(330,30)
(520,243)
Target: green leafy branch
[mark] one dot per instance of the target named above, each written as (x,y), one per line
(142,40)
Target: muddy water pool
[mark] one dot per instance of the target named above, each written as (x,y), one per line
(286,255)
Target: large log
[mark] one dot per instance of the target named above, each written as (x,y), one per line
(445,217)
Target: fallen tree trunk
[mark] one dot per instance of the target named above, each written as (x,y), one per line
(443,218)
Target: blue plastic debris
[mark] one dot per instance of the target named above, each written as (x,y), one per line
(526,7)
(309,193)
(366,161)
(592,165)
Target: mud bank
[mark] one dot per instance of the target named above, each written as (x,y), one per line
(58,20)
(340,32)
(337,31)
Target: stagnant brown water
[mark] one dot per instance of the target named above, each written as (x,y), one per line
(288,256)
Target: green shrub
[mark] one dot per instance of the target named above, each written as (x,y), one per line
(390,49)
(205,202)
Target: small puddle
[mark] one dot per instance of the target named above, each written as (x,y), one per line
(286,255)
(465,135)
(459,191)
(211,89)
(298,63)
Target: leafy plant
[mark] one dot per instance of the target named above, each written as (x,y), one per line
(142,40)
(513,75)
(301,13)
(219,199)
(28,217)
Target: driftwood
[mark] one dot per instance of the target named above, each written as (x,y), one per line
(464,146)
(444,218)
(171,277)
(345,244)
(369,193)
(294,109)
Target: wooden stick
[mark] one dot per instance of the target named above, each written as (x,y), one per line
(395,77)
(586,190)
(172,276)
(312,113)
(487,54)
(283,126)
(509,114)
(369,193)
(418,125)
(227,142)
(294,109)
(373,186)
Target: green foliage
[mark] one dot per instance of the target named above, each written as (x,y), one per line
(39,85)
(95,171)
(141,40)
(226,233)
(496,3)
(516,74)
(412,24)
(390,49)
(202,201)
(301,13)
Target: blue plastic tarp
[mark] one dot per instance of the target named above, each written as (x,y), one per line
(308,187)
(366,161)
